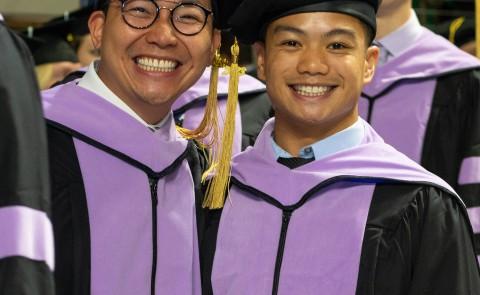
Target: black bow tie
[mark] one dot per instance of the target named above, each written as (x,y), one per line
(294,162)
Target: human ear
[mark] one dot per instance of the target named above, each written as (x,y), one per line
(96,24)
(371,59)
(259,48)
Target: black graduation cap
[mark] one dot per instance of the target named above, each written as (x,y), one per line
(55,40)
(74,22)
(223,10)
(251,18)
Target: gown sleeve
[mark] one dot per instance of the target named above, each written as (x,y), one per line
(26,238)
(419,243)
(468,182)
(452,143)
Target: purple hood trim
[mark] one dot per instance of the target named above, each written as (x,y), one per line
(127,212)
(26,232)
(430,55)
(90,115)
(317,243)
(371,159)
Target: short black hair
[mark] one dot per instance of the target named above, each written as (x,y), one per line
(369,34)
(102,5)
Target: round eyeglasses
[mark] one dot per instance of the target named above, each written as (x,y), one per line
(187,18)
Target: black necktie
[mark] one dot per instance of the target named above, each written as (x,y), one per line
(294,162)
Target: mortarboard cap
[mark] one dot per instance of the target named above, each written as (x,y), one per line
(222,11)
(73,22)
(251,18)
(54,40)
(54,49)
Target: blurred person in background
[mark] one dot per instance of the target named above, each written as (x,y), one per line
(26,235)
(461,32)
(425,101)
(61,46)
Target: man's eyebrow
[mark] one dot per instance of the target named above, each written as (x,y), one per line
(340,32)
(335,32)
(284,28)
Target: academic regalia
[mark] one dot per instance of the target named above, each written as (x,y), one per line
(124,199)
(363,220)
(254,106)
(425,102)
(366,220)
(26,236)
(253,111)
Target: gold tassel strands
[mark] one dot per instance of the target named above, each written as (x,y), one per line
(217,188)
(477,27)
(209,124)
(454,26)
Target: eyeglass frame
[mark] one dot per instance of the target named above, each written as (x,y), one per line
(159,8)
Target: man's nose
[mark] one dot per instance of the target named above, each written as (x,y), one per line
(313,61)
(162,31)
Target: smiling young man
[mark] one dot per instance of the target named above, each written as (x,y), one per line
(126,198)
(320,204)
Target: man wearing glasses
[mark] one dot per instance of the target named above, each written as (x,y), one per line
(126,198)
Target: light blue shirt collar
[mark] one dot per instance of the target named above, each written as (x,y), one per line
(345,139)
(399,40)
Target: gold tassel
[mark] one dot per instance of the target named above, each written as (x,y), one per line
(477,27)
(209,124)
(454,26)
(217,188)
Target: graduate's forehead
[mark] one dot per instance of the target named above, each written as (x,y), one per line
(207,3)
(252,17)
(318,27)
(323,23)
(221,9)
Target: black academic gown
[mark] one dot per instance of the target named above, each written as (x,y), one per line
(26,243)
(409,235)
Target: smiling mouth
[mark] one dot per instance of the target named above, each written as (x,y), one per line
(312,90)
(156,65)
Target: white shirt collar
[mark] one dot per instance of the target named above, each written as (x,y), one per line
(1,17)
(92,82)
(399,40)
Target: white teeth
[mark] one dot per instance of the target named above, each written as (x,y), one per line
(156,65)
(307,90)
